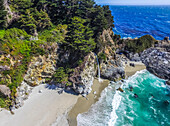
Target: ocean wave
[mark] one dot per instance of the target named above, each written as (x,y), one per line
(115,104)
(98,114)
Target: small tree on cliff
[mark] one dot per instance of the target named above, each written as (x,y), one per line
(80,36)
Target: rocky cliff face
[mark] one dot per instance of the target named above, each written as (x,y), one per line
(157,61)
(83,75)
(39,70)
(111,65)
(11,16)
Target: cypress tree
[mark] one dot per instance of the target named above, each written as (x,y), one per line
(2,14)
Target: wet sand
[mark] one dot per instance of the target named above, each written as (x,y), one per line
(83,104)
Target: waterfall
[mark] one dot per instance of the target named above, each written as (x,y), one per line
(98,68)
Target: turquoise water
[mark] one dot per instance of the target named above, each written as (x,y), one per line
(122,109)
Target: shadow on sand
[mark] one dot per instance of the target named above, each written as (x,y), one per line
(61,88)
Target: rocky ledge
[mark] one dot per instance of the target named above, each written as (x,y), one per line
(157,61)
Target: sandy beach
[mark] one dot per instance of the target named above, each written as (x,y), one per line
(129,70)
(83,104)
(50,108)
(41,109)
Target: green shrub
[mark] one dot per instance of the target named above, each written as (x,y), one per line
(56,34)
(2,33)
(60,76)
(102,56)
(138,45)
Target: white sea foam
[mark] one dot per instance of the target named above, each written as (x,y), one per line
(115,105)
(117,100)
(94,117)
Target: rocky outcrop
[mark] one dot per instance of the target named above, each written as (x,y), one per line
(22,94)
(112,69)
(83,76)
(39,70)
(157,62)
(11,16)
(164,44)
(110,64)
(107,36)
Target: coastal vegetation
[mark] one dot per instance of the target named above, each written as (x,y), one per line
(37,27)
(28,27)
(140,44)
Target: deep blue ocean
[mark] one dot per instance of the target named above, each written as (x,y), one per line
(136,21)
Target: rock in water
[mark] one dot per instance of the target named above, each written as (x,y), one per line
(168,82)
(120,89)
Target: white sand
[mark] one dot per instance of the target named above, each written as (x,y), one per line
(41,109)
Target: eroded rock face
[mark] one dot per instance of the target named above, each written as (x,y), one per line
(157,62)
(84,74)
(22,94)
(41,67)
(112,69)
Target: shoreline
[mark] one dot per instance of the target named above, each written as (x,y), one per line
(83,104)
(129,70)
(86,104)
(50,109)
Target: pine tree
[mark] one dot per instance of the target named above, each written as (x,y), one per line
(80,36)
(2,14)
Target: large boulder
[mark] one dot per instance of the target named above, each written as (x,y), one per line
(112,69)
(5,91)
